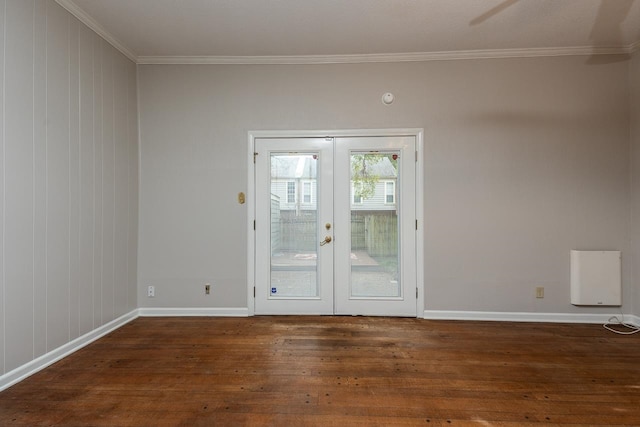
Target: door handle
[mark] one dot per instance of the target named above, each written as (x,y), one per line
(326,240)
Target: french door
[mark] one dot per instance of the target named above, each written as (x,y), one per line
(335,226)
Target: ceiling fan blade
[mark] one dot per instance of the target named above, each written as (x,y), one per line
(492,12)
(607,30)
(609,21)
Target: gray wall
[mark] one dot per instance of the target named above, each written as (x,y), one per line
(525,159)
(69,181)
(634,82)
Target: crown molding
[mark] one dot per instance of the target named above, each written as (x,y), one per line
(391,57)
(76,11)
(87,20)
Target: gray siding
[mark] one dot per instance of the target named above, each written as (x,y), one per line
(375,203)
(279,188)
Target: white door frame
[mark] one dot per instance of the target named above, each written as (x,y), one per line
(251,205)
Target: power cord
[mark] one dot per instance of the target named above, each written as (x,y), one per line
(614,321)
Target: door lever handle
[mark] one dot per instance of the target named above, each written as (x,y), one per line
(326,240)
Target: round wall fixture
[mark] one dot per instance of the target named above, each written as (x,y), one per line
(387,98)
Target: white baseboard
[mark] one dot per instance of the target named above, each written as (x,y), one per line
(30,368)
(634,320)
(525,317)
(195,311)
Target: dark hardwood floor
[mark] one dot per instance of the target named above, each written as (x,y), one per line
(336,371)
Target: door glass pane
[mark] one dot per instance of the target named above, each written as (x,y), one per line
(374,225)
(294,229)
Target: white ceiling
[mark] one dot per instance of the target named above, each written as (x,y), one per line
(283,30)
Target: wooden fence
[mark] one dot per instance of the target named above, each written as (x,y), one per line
(276,243)
(298,232)
(373,232)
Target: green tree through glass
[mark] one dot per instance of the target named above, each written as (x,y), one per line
(363,173)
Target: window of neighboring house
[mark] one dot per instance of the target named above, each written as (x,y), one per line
(291,191)
(389,192)
(357,198)
(306,192)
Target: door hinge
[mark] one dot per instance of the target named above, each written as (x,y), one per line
(416,293)
(416,225)
(254,157)
(254,225)
(416,157)
(254,291)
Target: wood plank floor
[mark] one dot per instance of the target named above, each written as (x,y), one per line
(336,371)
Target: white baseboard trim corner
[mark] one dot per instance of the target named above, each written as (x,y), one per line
(634,320)
(523,316)
(18,374)
(193,311)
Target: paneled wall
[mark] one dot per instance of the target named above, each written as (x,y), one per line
(634,85)
(68,180)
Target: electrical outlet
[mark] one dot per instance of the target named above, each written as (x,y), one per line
(207,289)
(540,292)
(151,291)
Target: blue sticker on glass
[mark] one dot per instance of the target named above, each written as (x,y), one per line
(274,290)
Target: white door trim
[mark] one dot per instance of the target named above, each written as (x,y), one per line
(251,205)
